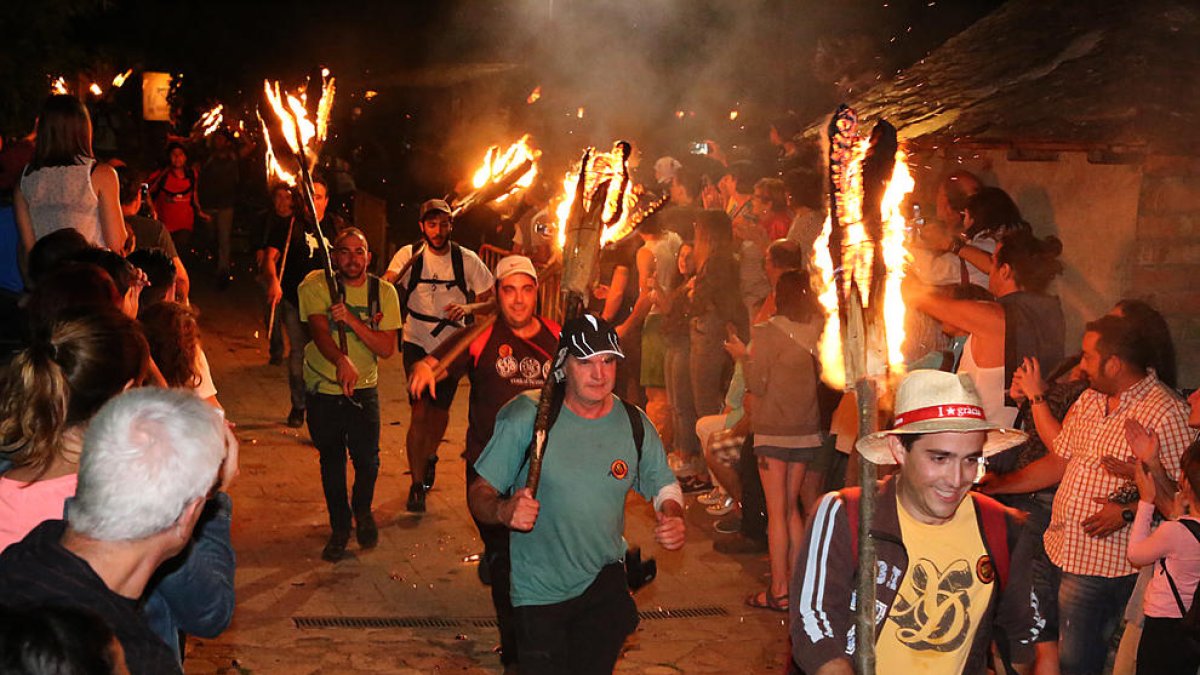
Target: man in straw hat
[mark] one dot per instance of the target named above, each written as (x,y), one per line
(948,578)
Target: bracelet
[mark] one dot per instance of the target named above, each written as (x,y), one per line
(1036,399)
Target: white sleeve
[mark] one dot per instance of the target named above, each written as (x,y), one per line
(669,491)
(206,388)
(479,277)
(400,259)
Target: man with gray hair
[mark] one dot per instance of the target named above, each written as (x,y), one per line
(151,459)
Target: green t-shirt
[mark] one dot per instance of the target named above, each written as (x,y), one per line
(319,374)
(589,467)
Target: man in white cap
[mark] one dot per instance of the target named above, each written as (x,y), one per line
(572,604)
(949,579)
(511,356)
(440,290)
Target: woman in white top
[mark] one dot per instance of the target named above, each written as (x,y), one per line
(64,187)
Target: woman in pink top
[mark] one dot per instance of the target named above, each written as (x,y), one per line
(47,395)
(1175,553)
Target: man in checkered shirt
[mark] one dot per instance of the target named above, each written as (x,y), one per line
(1088,535)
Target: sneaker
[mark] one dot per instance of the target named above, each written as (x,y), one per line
(714,496)
(739,544)
(692,484)
(416,499)
(729,524)
(335,548)
(295,418)
(720,508)
(365,531)
(430,473)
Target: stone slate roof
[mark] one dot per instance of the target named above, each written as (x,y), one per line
(1116,74)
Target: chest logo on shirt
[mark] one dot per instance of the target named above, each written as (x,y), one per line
(938,617)
(530,368)
(504,351)
(506,366)
(619,469)
(984,570)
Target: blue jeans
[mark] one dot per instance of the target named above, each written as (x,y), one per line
(336,425)
(1089,611)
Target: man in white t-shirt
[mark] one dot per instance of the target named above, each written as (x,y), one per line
(440,291)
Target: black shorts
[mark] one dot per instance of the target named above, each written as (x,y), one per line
(445,389)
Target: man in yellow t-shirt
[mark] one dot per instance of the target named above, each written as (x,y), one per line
(341,398)
(950,577)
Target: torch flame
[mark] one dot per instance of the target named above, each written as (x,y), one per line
(534,95)
(497,164)
(59,86)
(733,115)
(211,120)
(303,135)
(119,80)
(96,90)
(603,166)
(579,112)
(857,259)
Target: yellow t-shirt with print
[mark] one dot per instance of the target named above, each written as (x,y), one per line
(319,374)
(946,590)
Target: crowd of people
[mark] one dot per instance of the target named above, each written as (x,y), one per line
(1033,502)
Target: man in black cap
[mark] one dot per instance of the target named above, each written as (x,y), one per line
(569,589)
(440,291)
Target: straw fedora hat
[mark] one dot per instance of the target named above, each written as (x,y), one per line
(930,402)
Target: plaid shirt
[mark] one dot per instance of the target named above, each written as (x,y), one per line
(1088,433)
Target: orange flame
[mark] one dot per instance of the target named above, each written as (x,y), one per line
(534,95)
(119,80)
(59,86)
(604,166)
(856,261)
(96,90)
(733,115)
(497,164)
(304,136)
(211,120)
(579,113)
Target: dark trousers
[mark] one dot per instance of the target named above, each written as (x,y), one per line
(580,636)
(1166,649)
(336,425)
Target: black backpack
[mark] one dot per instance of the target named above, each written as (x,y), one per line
(459,281)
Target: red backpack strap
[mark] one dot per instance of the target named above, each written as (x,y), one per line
(850,497)
(994,517)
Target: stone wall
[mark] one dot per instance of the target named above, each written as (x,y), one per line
(1166,265)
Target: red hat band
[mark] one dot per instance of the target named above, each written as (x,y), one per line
(939,412)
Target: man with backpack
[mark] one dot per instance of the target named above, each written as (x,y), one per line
(443,284)
(342,399)
(572,604)
(950,576)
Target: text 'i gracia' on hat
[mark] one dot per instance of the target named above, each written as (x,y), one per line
(930,402)
(584,337)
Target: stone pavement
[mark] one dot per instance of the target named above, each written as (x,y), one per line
(420,568)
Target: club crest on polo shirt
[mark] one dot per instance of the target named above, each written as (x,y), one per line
(985,571)
(530,368)
(506,366)
(619,469)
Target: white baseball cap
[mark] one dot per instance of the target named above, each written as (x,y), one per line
(515,264)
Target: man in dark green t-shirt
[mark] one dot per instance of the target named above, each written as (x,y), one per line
(572,605)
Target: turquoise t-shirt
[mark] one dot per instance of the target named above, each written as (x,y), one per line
(588,468)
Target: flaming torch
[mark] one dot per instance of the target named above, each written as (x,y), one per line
(859,261)
(210,121)
(501,175)
(294,132)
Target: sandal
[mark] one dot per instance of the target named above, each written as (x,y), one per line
(764,600)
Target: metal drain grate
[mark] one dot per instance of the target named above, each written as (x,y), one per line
(368,622)
(684,613)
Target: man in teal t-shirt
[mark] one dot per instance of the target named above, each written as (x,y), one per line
(341,396)
(573,608)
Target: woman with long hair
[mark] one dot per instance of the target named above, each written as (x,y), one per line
(174,339)
(785,417)
(64,186)
(173,190)
(47,395)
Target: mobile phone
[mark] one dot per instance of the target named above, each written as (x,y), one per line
(700,148)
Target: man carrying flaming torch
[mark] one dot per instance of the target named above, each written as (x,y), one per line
(933,585)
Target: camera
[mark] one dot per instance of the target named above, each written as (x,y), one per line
(700,148)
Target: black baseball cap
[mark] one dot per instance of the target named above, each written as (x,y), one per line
(584,337)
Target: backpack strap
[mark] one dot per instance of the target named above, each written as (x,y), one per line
(1174,589)
(414,272)
(373,307)
(460,272)
(1192,526)
(639,429)
(993,515)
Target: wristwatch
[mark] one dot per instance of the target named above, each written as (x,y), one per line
(957,243)
(1127,515)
